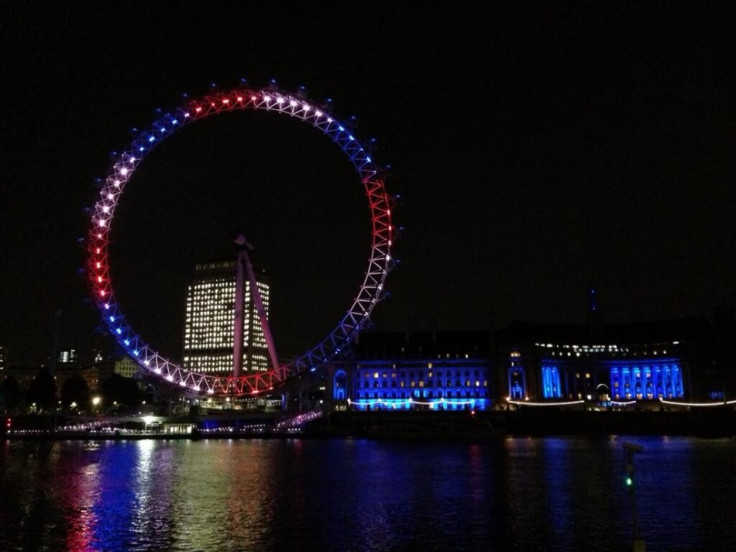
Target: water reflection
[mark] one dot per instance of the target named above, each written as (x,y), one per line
(513,494)
(81,494)
(223,494)
(668,488)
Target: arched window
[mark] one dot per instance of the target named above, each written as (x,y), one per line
(339,385)
(551,382)
(517,382)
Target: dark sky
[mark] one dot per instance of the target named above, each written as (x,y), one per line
(538,150)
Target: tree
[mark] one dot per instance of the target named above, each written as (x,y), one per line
(42,390)
(122,390)
(10,394)
(75,390)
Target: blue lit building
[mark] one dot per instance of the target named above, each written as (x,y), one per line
(614,362)
(686,359)
(414,371)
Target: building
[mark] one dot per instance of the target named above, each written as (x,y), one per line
(209,331)
(67,357)
(614,362)
(414,371)
(125,367)
(609,365)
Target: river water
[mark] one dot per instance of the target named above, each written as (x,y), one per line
(363,495)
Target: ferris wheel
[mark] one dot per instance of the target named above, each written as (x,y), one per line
(240,98)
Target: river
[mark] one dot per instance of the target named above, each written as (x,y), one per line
(364,495)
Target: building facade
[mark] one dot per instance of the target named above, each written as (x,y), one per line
(414,371)
(605,363)
(209,332)
(125,367)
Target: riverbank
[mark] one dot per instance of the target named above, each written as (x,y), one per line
(407,425)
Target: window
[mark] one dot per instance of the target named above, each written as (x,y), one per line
(551,382)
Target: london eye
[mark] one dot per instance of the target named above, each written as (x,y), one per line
(240,98)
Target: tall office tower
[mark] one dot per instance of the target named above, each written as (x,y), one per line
(209,327)
(67,357)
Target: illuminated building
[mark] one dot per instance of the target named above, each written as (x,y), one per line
(610,365)
(68,357)
(606,363)
(646,364)
(125,367)
(417,371)
(209,335)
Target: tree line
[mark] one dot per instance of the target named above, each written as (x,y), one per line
(74,395)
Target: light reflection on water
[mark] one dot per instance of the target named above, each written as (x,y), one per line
(510,494)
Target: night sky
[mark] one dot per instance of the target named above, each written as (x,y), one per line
(538,151)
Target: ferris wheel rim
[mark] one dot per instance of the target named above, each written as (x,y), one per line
(122,169)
